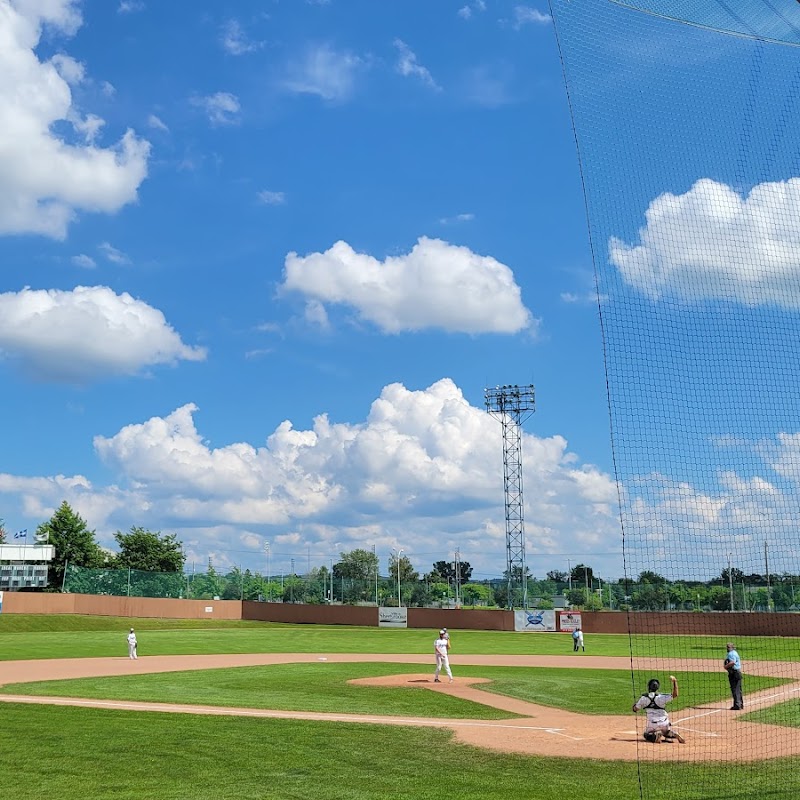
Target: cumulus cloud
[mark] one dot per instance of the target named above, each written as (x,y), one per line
(45,180)
(408,66)
(713,243)
(436,285)
(86,334)
(222,108)
(324,72)
(418,456)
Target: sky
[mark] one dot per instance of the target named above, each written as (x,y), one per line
(261,259)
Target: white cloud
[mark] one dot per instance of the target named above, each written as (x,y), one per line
(524,15)
(711,243)
(408,66)
(466,12)
(457,219)
(112,254)
(235,41)
(86,334)
(324,72)
(269,198)
(316,315)
(156,122)
(436,285)
(72,71)
(82,260)
(418,456)
(44,179)
(221,108)
(130,6)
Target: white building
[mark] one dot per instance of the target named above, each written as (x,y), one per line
(24,566)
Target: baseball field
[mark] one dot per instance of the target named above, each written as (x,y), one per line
(216,709)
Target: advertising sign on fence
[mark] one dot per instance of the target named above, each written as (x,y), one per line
(569,620)
(533,621)
(392,617)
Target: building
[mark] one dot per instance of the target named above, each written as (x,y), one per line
(25,566)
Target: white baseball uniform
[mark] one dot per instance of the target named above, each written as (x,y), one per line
(442,660)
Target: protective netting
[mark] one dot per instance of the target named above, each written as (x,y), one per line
(687,120)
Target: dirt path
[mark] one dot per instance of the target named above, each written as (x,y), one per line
(713,733)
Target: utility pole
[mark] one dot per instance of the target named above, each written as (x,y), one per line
(730,579)
(458,578)
(766,566)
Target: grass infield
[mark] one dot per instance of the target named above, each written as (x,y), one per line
(325,688)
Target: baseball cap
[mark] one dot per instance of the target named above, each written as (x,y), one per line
(442,631)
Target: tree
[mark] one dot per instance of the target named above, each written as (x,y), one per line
(447,570)
(74,543)
(2,532)
(648,576)
(407,572)
(558,576)
(477,594)
(582,574)
(358,565)
(147,551)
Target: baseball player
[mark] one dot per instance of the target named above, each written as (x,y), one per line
(658,728)
(132,645)
(440,647)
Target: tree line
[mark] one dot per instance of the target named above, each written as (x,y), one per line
(356,578)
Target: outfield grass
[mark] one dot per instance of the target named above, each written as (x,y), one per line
(66,636)
(94,754)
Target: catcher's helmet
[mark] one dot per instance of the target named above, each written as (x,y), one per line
(653,685)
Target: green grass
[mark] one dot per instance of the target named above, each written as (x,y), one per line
(94,754)
(786,714)
(325,688)
(285,687)
(66,636)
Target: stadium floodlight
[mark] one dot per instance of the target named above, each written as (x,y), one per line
(512,405)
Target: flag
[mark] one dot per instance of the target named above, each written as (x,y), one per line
(23,534)
(42,538)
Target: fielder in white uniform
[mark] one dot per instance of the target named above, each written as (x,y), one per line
(132,645)
(440,647)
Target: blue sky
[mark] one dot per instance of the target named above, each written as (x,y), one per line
(261,259)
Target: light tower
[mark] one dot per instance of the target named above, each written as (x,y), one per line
(512,405)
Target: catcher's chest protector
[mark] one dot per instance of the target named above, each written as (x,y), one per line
(651,696)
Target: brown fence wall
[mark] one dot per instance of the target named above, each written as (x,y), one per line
(301,614)
(104,606)
(692,623)
(659,622)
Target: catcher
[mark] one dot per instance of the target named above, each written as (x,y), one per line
(658,727)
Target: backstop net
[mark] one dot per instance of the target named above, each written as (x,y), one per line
(687,120)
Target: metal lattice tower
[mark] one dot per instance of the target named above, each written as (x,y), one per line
(512,405)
